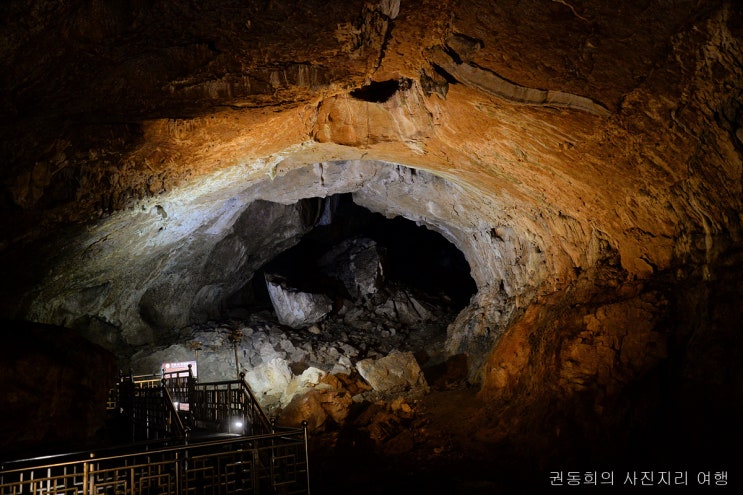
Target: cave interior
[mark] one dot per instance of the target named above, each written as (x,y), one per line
(472,243)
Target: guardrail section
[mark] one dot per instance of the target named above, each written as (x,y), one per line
(272,463)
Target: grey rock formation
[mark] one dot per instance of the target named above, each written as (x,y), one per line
(358,263)
(295,308)
(405,308)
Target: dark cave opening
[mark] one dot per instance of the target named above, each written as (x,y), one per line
(415,257)
(378,92)
(383,285)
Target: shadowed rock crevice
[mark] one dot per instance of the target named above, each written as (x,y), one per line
(437,269)
(451,65)
(378,92)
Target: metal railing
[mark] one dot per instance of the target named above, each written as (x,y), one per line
(150,409)
(138,381)
(231,405)
(272,463)
(168,406)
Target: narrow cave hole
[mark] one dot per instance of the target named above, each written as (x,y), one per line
(376,92)
(393,284)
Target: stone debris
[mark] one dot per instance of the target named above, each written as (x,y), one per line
(295,308)
(281,362)
(394,373)
(314,329)
(290,356)
(317,407)
(270,380)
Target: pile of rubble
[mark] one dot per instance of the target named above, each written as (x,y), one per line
(317,354)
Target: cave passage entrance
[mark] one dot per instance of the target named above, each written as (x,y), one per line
(392,283)
(413,256)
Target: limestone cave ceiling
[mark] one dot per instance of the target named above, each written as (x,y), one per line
(569,149)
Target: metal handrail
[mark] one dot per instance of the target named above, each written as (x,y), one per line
(150,410)
(254,403)
(272,458)
(271,462)
(214,403)
(174,417)
(151,448)
(221,401)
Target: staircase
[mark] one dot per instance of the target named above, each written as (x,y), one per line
(186,438)
(176,406)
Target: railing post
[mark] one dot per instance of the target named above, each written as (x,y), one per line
(245,405)
(178,476)
(86,466)
(272,467)
(306,454)
(190,386)
(166,419)
(254,472)
(89,475)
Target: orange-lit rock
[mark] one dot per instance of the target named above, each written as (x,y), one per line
(585,157)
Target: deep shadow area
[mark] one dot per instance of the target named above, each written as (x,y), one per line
(414,256)
(378,92)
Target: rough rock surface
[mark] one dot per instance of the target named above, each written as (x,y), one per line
(358,264)
(295,308)
(585,157)
(394,373)
(281,363)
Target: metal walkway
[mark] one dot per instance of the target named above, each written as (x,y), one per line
(237,449)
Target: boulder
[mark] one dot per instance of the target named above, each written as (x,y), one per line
(404,308)
(304,407)
(319,406)
(269,380)
(358,264)
(394,373)
(301,384)
(295,308)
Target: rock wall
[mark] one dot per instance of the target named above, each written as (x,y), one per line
(648,368)
(195,248)
(54,389)
(585,157)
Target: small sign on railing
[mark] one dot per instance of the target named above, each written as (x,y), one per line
(180,366)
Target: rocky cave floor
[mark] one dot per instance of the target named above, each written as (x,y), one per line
(388,409)
(414,439)
(418,434)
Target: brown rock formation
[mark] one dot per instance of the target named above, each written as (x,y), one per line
(586,158)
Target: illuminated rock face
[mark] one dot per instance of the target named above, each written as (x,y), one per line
(588,168)
(177,260)
(295,308)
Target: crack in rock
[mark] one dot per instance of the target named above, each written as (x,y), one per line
(491,83)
